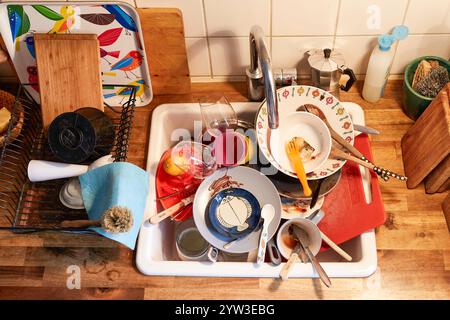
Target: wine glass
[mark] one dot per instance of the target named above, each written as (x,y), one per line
(219,116)
(194,158)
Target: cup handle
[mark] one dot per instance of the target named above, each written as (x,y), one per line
(213,254)
(350,81)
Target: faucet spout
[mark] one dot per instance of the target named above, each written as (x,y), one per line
(259,75)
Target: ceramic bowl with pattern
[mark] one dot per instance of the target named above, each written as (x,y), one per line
(233,213)
(290,100)
(307,126)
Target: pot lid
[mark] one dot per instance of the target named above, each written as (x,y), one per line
(326,59)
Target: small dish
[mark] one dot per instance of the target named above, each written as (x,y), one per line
(70,194)
(307,126)
(297,208)
(291,188)
(234,213)
(286,242)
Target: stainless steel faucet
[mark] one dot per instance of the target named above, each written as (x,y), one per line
(259,75)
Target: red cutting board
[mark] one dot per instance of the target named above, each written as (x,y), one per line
(347,214)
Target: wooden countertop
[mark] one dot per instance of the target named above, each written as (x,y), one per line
(413,245)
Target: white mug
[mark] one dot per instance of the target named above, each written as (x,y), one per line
(205,252)
(313,232)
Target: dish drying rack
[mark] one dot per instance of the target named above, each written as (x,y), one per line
(27,206)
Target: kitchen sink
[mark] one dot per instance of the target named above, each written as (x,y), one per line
(156,253)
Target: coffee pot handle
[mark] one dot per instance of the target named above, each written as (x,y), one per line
(350,81)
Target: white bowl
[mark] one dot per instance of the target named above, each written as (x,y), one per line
(309,127)
(315,240)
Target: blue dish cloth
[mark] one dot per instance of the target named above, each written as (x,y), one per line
(116,184)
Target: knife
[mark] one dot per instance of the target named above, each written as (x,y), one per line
(365,129)
(315,263)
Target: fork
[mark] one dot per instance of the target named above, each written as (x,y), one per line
(169,211)
(293,149)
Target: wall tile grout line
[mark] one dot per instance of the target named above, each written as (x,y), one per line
(337,23)
(211,74)
(397,42)
(323,35)
(271,27)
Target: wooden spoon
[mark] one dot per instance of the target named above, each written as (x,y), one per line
(336,136)
(383,173)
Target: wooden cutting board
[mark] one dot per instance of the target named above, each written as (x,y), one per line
(446,209)
(165,48)
(427,142)
(69,73)
(437,180)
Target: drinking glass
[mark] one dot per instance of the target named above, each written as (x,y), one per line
(219,116)
(194,158)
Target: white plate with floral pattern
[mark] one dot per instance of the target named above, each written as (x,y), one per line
(290,99)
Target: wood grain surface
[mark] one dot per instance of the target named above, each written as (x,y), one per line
(427,142)
(413,245)
(72,73)
(446,209)
(437,180)
(165,49)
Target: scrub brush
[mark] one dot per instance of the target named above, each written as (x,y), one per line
(114,220)
(433,82)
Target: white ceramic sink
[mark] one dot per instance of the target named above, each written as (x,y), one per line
(156,254)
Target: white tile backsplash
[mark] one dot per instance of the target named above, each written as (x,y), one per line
(420,45)
(290,52)
(217,31)
(304,18)
(198,57)
(424,16)
(230,56)
(356,51)
(192,10)
(236,17)
(366,17)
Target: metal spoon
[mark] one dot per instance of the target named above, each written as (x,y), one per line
(267,214)
(228,245)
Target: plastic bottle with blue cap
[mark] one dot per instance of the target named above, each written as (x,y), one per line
(380,63)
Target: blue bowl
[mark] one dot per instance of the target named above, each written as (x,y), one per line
(233,213)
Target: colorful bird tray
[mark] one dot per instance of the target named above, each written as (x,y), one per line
(122,55)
